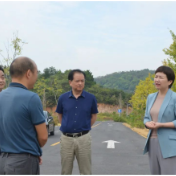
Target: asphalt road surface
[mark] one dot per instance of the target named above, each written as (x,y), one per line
(125,158)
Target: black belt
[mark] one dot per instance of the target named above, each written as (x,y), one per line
(76,135)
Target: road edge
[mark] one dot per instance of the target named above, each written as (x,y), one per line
(141,132)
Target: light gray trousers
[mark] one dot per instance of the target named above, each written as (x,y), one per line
(159,165)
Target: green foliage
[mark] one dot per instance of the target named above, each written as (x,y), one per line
(111,116)
(49,72)
(138,101)
(55,118)
(119,118)
(143,89)
(17,45)
(135,119)
(108,96)
(171,52)
(125,81)
(104,116)
(52,83)
(12,49)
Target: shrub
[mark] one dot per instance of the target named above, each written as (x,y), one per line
(55,118)
(104,116)
(119,117)
(111,116)
(135,119)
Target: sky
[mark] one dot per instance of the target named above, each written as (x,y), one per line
(100,36)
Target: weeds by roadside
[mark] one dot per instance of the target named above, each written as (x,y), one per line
(110,116)
(55,118)
(135,119)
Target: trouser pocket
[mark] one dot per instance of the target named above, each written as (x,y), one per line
(22,165)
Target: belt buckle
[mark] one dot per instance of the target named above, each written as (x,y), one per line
(66,134)
(75,135)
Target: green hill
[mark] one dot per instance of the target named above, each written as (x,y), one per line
(125,81)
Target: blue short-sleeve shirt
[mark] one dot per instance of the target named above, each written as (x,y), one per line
(20,111)
(76,113)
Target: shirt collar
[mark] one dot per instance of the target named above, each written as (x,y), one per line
(82,95)
(14,84)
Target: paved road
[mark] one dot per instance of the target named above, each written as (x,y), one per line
(125,158)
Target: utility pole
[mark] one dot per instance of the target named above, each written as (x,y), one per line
(128,104)
(127,109)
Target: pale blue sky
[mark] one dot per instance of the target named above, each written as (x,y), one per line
(103,37)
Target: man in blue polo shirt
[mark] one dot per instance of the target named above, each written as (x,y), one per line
(22,124)
(77,111)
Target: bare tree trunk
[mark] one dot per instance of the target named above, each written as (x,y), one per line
(44,100)
(55,96)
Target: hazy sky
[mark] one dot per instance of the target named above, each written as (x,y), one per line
(103,37)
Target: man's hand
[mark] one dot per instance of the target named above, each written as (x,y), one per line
(40,160)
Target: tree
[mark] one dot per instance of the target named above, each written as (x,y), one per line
(51,84)
(125,81)
(49,72)
(12,49)
(143,89)
(171,61)
(40,88)
(89,79)
(55,88)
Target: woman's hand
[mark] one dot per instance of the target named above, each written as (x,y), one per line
(158,125)
(153,125)
(150,125)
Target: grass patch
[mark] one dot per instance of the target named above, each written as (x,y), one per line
(135,119)
(104,117)
(111,116)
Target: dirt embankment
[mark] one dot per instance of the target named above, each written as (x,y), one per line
(111,108)
(102,108)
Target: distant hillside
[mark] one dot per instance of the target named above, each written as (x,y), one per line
(125,81)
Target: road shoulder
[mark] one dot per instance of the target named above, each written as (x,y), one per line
(142,132)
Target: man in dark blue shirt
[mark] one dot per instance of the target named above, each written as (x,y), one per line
(22,125)
(77,111)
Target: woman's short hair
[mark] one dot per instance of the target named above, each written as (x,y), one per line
(168,72)
(1,69)
(72,72)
